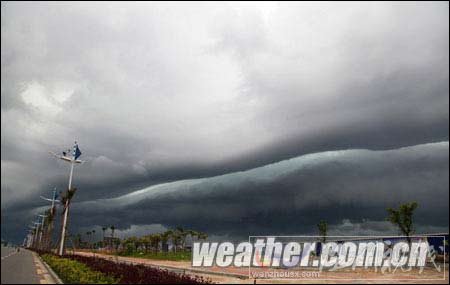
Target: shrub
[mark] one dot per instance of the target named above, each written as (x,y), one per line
(72,271)
(174,256)
(137,274)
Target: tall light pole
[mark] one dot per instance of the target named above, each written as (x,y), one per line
(36,233)
(53,199)
(42,230)
(32,233)
(29,238)
(47,240)
(72,160)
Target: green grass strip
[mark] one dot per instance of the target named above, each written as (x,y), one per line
(173,256)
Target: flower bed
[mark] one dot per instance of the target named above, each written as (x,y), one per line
(118,272)
(72,271)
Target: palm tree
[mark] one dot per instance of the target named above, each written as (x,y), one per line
(112,234)
(112,230)
(47,231)
(103,238)
(88,234)
(93,237)
(78,240)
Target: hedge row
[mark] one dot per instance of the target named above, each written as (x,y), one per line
(137,274)
(72,271)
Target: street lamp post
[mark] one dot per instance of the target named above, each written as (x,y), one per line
(29,238)
(36,233)
(32,234)
(66,213)
(53,200)
(42,230)
(72,160)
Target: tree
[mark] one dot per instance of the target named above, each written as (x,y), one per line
(88,234)
(202,236)
(78,240)
(65,200)
(403,218)
(112,233)
(93,233)
(177,236)
(170,235)
(48,229)
(130,245)
(165,238)
(182,234)
(141,242)
(103,240)
(323,230)
(155,240)
(193,234)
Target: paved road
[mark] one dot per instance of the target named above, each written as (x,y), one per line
(18,267)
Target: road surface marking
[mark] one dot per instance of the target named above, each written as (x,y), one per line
(10,254)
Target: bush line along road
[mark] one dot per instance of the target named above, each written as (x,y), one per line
(83,269)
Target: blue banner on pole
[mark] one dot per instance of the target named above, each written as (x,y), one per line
(76,152)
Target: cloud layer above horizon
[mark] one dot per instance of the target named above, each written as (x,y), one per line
(165,95)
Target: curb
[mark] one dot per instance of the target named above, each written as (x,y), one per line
(201,271)
(50,270)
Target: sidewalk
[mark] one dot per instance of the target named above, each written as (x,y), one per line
(45,273)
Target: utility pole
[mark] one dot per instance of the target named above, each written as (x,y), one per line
(72,160)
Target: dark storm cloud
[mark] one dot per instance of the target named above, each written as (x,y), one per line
(290,197)
(157,93)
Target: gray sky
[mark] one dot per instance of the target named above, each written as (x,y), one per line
(232,118)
